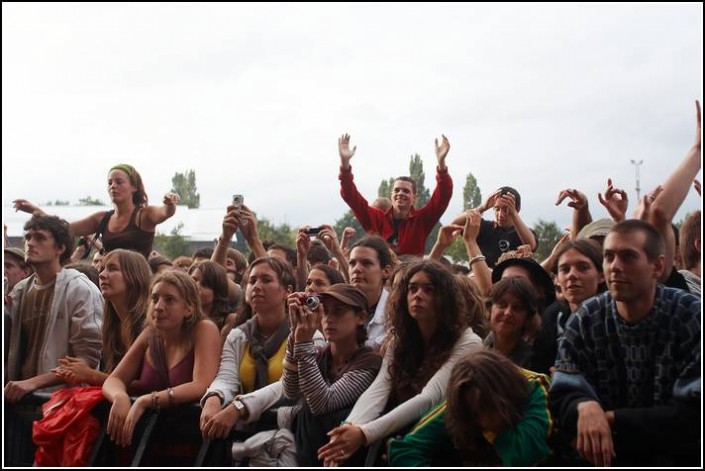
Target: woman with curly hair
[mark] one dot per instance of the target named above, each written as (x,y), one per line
(495,414)
(429,334)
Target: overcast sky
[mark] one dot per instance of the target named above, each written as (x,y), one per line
(254,97)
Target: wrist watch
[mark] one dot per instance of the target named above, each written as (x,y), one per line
(241,408)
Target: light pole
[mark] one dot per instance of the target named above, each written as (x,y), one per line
(636,166)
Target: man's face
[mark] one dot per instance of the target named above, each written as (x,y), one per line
(14,271)
(629,274)
(403,196)
(501,215)
(40,247)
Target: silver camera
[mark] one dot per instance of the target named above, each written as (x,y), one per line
(312,302)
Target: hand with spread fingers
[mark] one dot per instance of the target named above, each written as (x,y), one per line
(578,200)
(345,440)
(344,149)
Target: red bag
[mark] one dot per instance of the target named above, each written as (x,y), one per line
(67,431)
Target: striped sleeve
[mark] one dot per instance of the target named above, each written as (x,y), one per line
(322,397)
(290,377)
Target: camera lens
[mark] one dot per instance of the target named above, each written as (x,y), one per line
(312,302)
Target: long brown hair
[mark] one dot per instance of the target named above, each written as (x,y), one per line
(498,386)
(186,286)
(473,305)
(137,276)
(411,365)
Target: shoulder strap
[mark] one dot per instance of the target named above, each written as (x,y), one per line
(99,233)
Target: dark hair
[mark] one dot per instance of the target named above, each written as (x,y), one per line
(407,179)
(333,275)
(156,262)
(517,196)
(137,277)
(378,245)
(690,232)
(284,272)
(653,245)
(215,277)
(412,366)
(318,253)
(139,197)
(240,263)
(203,252)
(59,229)
(499,387)
(288,251)
(521,289)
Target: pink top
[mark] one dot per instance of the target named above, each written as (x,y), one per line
(149,379)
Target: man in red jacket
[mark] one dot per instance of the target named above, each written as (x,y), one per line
(404,227)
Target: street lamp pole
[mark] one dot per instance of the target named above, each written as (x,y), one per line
(636,166)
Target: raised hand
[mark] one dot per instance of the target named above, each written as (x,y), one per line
(615,201)
(447,234)
(642,211)
(27,207)
(578,200)
(490,201)
(171,198)
(442,151)
(344,149)
(472,225)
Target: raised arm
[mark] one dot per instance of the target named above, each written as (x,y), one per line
(675,189)
(231,223)
(303,245)
(330,239)
(525,234)
(478,264)
(581,211)
(345,152)
(441,152)
(158,214)
(446,236)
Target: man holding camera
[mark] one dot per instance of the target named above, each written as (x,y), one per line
(404,227)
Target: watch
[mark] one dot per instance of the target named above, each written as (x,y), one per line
(241,408)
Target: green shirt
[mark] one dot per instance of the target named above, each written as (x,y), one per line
(524,445)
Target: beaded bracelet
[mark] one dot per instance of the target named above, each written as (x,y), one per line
(155,400)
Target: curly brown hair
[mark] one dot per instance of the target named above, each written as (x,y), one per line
(413,364)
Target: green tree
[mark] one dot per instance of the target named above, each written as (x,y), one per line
(547,236)
(184,185)
(349,220)
(281,234)
(472,198)
(173,245)
(417,174)
(385,188)
(89,201)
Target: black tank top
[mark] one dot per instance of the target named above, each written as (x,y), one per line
(131,238)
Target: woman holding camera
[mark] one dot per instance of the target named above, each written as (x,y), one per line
(328,380)
(429,335)
(131,225)
(254,351)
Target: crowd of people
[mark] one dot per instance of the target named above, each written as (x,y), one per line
(367,352)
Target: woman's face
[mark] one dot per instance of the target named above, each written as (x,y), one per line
(421,297)
(119,186)
(317,282)
(340,321)
(111,279)
(204,292)
(168,307)
(578,277)
(508,316)
(264,291)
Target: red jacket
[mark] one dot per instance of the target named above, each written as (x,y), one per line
(414,231)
